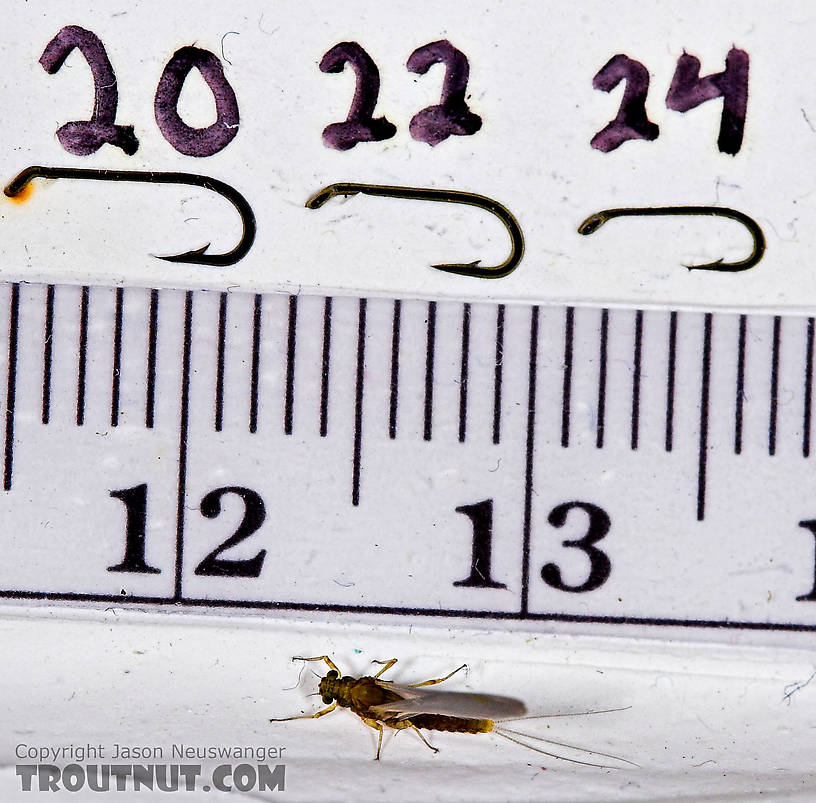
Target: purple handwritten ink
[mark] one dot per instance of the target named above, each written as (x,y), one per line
(360,125)
(631,121)
(184,138)
(450,117)
(84,137)
(688,91)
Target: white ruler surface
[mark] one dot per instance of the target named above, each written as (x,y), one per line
(408,457)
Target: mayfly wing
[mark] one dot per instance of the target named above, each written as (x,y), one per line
(449,703)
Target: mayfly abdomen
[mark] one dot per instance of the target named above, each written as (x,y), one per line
(442,722)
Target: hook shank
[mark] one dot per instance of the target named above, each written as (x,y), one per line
(594,222)
(198,256)
(442,196)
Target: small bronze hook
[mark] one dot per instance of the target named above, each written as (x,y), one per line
(594,222)
(198,256)
(444,196)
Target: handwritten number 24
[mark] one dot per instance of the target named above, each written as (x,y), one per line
(687,91)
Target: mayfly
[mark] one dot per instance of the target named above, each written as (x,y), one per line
(385,704)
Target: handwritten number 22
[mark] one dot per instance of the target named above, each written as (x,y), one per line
(434,124)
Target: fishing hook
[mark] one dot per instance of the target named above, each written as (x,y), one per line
(198,256)
(444,196)
(594,222)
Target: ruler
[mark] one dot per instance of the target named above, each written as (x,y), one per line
(406,457)
(333,425)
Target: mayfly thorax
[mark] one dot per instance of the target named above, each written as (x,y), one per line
(385,704)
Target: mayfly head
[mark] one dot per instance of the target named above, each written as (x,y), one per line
(328,686)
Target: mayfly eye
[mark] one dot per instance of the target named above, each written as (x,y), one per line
(327,699)
(332,674)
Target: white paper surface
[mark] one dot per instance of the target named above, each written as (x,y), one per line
(531,73)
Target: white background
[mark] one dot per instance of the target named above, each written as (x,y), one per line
(706,722)
(532,66)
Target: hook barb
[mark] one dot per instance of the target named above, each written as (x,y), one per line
(198,256)
(443,196)
(595,221)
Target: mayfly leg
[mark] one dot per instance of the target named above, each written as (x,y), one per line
(416,730)
(317,714)
(372,723)
(437,680)
(386,665)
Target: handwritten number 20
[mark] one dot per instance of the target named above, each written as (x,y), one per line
(84,137)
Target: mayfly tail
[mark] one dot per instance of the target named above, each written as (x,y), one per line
(567,714)
(565,744)
(553,755)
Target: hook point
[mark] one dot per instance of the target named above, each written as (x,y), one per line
(716,265)
(187,256)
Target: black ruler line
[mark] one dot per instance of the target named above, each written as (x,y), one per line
(358,405)
(48,349)
(602,359)
(463,373)
(429,370)
(636,358)
(255,364)
(528,472)
(705,384)
(11,384)
(83,355)
(117,355)
(566,390)
(807,423)
(670,379)
(152,337)
(184,416)
(291,355)
(219,363)
(497,374)
(393,401)
(777,323)
(740,399)
(463,613)
(325,366)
